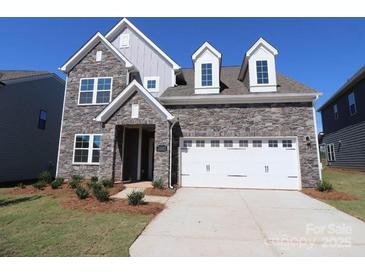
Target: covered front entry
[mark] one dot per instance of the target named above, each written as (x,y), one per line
(262,163)
(138,153)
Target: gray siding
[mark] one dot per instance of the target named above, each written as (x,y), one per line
(351,152)
(146,59)
(25,149)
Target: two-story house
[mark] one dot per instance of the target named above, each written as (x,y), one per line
(30,119)
(132,113)
(343,119)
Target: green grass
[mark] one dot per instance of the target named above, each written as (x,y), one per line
(36,225)
(352,182)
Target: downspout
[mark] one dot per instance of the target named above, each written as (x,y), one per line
(316,137)
(172,124)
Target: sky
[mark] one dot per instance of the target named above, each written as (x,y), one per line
(319,52)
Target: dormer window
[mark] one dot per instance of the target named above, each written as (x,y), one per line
(152,84)
(207,75)
(262,72)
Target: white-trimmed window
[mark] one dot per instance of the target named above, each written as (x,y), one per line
(331,153)
(273,143)
(335,111)
(262,72)
(188,143)
(257,143)
(87,149)
(95,91)
(243,143)
(287,143)
(152,84)
(214,143)
(207,75)
(200,143)
(352,103)
(228,143)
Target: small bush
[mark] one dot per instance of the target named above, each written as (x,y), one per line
(94,179)
(40,184)
(158,184)
(75,182)
(82,192)
(45,176)
(324,186)
(91,184)
(107,183)
(100,192)
(136,198)
(57,182)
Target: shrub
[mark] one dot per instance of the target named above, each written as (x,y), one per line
(100,192)
(158,184)
(40,184)
(94,179)
(75,182)
(82,192)
(57,182)
(107,183)
(324,186)
(136,198)
(45,176)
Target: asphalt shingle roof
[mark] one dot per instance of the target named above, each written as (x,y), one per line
(230,85)
(6,75)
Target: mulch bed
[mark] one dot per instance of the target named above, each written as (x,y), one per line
(329,195)
(114,205)
(69,199)
(160,192)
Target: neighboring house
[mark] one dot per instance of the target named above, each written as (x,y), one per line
(343,119)
(131,113)
(30,119)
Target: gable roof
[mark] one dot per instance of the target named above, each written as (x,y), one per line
(208,46)
(107,112)
(356,78)
(230,85)
(98,37)
(260,42)
(124,23)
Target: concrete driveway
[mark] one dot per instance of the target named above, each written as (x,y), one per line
(231,222)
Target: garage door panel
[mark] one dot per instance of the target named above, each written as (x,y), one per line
(268,166)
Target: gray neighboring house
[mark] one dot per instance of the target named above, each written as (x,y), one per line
(131,113)
(343,118)
(30,111)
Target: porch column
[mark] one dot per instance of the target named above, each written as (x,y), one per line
(107,157)
(161,157)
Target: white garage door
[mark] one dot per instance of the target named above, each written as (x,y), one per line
(266,163)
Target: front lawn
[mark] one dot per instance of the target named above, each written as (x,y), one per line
(351,182)
(37,225)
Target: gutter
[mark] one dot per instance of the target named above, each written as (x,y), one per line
(172,124)
(239,99)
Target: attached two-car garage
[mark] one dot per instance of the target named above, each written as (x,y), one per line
(262,163)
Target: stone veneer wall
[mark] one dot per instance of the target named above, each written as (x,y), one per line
(247,120)
(147,116)
(79,119)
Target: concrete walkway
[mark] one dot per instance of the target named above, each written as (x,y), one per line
(231,222)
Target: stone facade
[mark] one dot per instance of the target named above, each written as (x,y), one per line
(79,119)
(247,120)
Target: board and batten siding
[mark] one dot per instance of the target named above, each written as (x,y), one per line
(349,144)
(25,150)
(148,62)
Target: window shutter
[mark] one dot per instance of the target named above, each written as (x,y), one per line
(135,111)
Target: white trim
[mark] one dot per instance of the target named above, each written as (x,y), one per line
(59,141)
(90,149)
(150,157)
(317,144)
(122,160)
(240,99)
(124,95)
(331,152)
(139,153)
(98,37)
(264,43)
(208,46)
(95,91)
(149,78)
(125,22)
